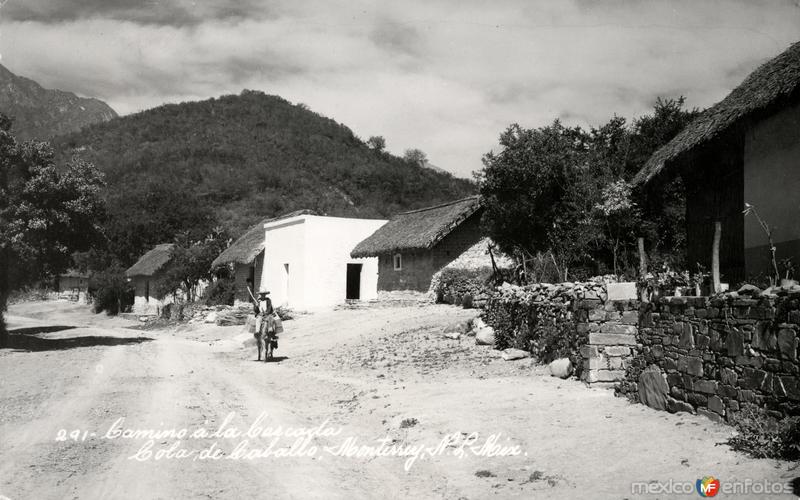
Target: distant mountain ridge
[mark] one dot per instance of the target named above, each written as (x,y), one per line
(238,159)
(41,114)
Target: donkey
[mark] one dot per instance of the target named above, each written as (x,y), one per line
(265,337)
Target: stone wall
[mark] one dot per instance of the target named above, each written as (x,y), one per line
(611,329)
(710,355)
(593,323)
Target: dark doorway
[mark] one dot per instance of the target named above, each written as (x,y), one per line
(353,281)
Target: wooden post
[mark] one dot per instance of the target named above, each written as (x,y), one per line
(643,292)
(715,256)
(642,257)
(494,265)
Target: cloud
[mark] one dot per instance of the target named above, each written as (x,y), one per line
(158,12)
(445,77)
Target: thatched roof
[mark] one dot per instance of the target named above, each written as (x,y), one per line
(151,262)
(419,229)
(248,246)
(477,256)
(73,273)
(774,84)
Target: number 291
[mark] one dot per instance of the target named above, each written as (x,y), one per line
(76,435)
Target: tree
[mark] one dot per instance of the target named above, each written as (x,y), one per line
(415,156)
(46,213)
(563,194)
(663,204)
(111,291)
(190,264)
(377,142)
(525,190)
(620,217)
(151,213)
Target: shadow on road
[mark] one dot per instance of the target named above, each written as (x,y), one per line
(275,359)
(26,339)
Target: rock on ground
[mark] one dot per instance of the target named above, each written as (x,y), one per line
(561,368)
(485,336)
(511,354)
(653,389)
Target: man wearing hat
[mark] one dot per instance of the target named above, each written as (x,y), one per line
(263,305)
(265,322)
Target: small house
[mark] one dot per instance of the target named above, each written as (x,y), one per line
(743,150)
(144,275)
(246,257)
(73,285)
(307,262)
(414,245)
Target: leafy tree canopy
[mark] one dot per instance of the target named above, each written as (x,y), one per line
(415,157)
(565,192)
(46,212)
(191,264)
(377,142)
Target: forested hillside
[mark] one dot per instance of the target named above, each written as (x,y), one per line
(234,160)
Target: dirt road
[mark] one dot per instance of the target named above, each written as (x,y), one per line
(346,380)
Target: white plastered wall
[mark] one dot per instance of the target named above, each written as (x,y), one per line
(317,251)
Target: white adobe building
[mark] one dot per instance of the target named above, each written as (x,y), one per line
(307,263)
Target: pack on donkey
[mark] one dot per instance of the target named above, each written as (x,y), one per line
(268,325)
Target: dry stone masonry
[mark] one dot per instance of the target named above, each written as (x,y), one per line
(708,355)
(593,323)
(711,355)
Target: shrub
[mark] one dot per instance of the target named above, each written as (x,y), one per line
(111,291)
(453,284)
(762,436)
(221,292)
(29,294)
(522,319)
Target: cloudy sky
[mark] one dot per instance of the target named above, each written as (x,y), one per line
(443,76)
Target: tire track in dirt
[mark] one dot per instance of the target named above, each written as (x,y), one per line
(72,404)
(192,388)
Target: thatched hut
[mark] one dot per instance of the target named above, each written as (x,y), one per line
(744,149)
(246,257)
(414,245)
(144,273)
(73,285)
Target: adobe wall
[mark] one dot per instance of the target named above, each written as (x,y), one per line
(143,306)
(420,266)
(241,274)
(771,167)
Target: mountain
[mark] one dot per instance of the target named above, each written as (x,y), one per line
(41,113)
(237,159)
